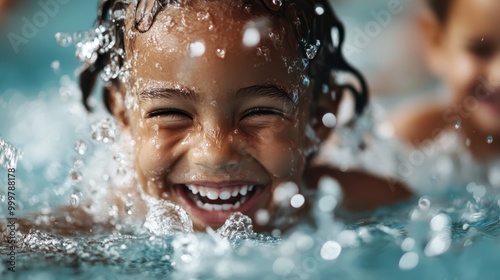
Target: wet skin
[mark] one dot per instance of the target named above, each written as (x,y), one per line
(214,124)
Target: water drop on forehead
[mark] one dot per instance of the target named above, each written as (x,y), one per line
(196,49)
(489,139)
(458,124)
(251,37)
(221,53)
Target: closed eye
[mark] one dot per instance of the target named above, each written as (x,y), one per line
(171,113)
(262,111)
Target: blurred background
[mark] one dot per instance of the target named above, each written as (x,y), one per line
(40,113)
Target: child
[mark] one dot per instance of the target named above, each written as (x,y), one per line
(462,45)
(224,102)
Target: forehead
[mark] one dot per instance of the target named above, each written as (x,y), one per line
(225,24)
(477,15)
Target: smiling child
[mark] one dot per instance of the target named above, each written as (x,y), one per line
(224,101)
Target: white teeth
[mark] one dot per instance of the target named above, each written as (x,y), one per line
(243,191)
(199,203)
(236,205)
(212,195)
(235,193)
(251,188)
(226,207)
(203,193)
(209,207)
(217,207)
(225,195)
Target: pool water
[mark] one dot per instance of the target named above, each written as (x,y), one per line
(453,237)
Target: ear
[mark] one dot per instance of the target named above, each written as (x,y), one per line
(326,103)
(115,100)
(432,33)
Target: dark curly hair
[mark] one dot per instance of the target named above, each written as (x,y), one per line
(313,27)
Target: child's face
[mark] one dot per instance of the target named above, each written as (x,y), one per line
(469,61)
(216,117)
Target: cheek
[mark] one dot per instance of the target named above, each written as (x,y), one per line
(281,153)
(463,74)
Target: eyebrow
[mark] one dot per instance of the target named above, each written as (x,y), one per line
(266,90)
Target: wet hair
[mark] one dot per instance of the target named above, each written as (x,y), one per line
(440,8)
(316,21)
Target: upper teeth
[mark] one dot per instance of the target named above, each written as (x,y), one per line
(216,194)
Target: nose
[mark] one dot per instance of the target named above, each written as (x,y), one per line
(216,151)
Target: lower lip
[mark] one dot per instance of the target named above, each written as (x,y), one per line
(217,218)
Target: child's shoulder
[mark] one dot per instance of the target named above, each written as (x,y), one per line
(361,191)
(419,121)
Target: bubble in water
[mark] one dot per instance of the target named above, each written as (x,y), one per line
(489,139)
(329,120)
(251,37)
(458,124)
(63,39)
(80,147)
(221,53)
(196,49)
(424,203)
(327,203)
(104,130)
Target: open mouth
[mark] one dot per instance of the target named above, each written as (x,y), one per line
(214,204)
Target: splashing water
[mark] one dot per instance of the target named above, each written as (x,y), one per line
(9,155)
(166,218)
(104,130)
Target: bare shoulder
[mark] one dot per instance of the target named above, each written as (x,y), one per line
(362,191)
(419,122)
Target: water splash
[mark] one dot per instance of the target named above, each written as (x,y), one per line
(238,228)
(104,131)
(166,218)
(9,155)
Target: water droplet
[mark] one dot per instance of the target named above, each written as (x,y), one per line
(75,176)
(251,37)
(8,154)
(221,53)
(312,49)
(297,200)
(196,49)
(55,65)
(424,203)
(278,3)
(329,120)
(458,124)
(75,199)
(81,147)
(489,139)
(63,39)
(319,9)
(330,250)
(262,216)
(104,131)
